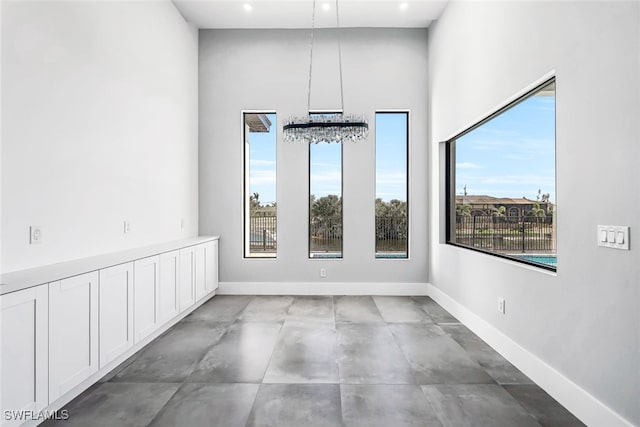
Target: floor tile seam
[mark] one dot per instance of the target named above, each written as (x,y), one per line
(310,321)
(339,391)
(519,403)
(273,350)
(467,415)
(531,412)
(380,323)
(333,309)
(204,353)
(375,304)
(222,382)
(253,404)
(201,358)
(421,306)
(513,398)
(275,382)
(180,385)
(414,371)
(409,322)
(378,383)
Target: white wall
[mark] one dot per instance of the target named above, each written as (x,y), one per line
(99,125)
(253,70)
(582,321)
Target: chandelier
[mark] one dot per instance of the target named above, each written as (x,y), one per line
(315,128)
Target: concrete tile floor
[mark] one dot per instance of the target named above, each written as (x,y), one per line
(317,361)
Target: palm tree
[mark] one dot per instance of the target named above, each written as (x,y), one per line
(499,213)
(463,210)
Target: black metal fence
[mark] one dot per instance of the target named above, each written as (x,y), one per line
(263,237)
(391,234)
(506,234)
(326,236)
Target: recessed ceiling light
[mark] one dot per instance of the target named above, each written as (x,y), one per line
(404,5)
(326,6)
(247,7)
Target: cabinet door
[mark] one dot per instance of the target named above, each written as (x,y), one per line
(187,277)
(73,332)
(146,275)
(169,306)
(211,270)
(116,311)
(24,351)
(201,276)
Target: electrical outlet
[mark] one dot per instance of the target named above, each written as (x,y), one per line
(323,272)
(35,235)
(127,227)
(501,305)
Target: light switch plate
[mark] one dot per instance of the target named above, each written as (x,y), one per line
(614,236)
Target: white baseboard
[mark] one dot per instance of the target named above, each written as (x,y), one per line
(321,288)
(579,402)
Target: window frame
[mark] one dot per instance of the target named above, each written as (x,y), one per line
(407,113)
(246,182)
(450,169)
(341,257)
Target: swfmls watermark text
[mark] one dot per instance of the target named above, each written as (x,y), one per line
(30,415)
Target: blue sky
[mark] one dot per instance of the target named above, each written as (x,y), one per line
(513,155)
(326,172)
(262,166)
(391,156)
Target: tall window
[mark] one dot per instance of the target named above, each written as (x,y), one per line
(325,199)
(260,208)
(502,181)
(392,213)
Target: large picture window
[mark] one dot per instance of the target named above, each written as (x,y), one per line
(502,182)
(392,209)
(325,199)
(260,207)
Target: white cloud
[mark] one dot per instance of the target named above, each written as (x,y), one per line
(257,162)
(262,177)
(391,178)
(468,165)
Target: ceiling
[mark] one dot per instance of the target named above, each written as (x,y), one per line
(250,14)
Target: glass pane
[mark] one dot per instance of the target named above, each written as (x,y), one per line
(505,182)
(392,225)
(325,200)
(260,185)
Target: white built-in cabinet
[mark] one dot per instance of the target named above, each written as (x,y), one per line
(169,303)
(145,297)
(187,277)
(24,340)
(59,337)
(200,268)
(212,265)
(116,311)
(73,332)
(206,269)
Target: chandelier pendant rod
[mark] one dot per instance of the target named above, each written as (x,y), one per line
(339,59)
(313,26)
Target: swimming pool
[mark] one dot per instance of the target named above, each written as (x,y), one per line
(541,259)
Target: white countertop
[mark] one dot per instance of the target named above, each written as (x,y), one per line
(18,280)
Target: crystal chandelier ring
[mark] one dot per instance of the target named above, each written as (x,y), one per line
(326,128)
